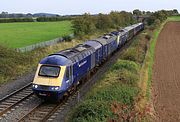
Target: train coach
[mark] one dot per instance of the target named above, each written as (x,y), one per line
(59,73)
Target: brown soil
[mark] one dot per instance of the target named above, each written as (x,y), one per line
(166,74)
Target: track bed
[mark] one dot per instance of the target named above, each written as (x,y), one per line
(166,70)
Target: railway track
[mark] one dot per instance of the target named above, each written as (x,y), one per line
(45,111)
(10,101)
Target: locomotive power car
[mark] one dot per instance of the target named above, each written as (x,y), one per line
(59,72)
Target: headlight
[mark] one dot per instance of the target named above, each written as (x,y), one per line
(54,88)
(36,86)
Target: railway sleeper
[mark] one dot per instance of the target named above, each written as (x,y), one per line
(7,103)
(42,112)
(3,106)
(11,101)
(15,99)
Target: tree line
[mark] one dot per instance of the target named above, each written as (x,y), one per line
(39,19)
(51,19)
(9,20)
(87,24)
(160,16)
(155,17)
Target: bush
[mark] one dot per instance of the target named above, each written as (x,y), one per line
(88,111)
(125,65)
(130,54)
(67,38)
(148,37)
(10,67)
(127,77)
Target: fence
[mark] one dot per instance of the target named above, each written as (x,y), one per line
(42,44)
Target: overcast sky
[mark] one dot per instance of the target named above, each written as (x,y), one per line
(64,7)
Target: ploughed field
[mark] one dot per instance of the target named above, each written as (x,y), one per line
(166,74)
(22,34)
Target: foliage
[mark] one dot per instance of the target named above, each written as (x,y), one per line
(103,22)
(52,19)
(160,16)
(10,20)
(12,63)
(67,38)
(137,12)
(84,25)
(137,51)
(87,24)
(17,35)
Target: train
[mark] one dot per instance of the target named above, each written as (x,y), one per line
(60,72)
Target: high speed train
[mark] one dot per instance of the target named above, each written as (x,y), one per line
(58,73)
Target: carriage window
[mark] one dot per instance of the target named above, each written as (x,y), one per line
(49,71)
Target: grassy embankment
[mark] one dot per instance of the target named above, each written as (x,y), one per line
(114,97)
(15,64)
(21,34)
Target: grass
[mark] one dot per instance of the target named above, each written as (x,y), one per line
(21,34)
(114,96)
(174,18)
(15,64)
(151,58)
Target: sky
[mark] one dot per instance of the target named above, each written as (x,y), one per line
(68,7)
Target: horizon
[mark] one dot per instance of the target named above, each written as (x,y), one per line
(80,7)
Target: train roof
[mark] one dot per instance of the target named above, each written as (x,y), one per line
(115,33)
(96,45)
(55,60)
(106,39)
(129,27)
(101,40)
(76,53)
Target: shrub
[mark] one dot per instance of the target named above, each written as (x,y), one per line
(88,111)
(148,37)
(127,77)
(130,54)
(125,64)
(10,67)
(67,38)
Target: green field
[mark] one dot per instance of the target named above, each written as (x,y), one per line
(174,18)
(22,34)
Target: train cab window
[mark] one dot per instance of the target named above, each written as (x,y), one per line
(49,71)
(67,73)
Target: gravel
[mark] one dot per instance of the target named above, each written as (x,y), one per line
(13,85)
(20,110)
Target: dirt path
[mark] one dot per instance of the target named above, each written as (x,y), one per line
(166,74)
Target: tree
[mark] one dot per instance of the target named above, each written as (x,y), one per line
(83,25)
(175,12)
(103,22)
(137,12)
